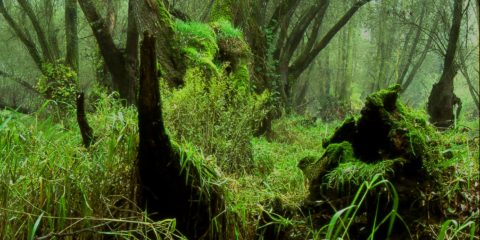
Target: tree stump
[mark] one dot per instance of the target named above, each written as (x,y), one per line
(170,185)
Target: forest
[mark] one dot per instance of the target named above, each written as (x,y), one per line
(239,119)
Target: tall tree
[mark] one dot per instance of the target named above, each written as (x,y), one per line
(71,34)
(121,62)
(278,39)
(45,48)
(442,99)
(39,57)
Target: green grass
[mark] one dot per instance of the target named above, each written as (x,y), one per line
(51,186)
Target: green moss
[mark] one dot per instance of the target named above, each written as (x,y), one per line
(198,44)
(385,98)
(197,35)
(340,152)
(164,16)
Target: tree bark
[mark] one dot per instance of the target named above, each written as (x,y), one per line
(411,75)
(48,55)
(307,57)
(71,34)
(123,79)
(154,18)
(442,98)
(24,38)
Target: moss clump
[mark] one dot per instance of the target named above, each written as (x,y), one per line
(198,44)
(58,82)
(215,47)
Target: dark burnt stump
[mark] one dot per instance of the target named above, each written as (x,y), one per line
(170,186)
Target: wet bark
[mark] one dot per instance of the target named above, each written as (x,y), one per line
(71,34)
(442,98)
(118,66)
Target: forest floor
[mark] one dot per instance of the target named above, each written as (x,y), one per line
(51,187)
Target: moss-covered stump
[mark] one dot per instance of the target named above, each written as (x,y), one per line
(387,140)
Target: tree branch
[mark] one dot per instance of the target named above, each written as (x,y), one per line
(306,58)
(300,28)
(42,39)
(30,45)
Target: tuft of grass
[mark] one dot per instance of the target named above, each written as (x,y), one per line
(342,220)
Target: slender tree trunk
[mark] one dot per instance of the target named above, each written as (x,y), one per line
(413,49)
(346,81)
(413,72)
(48,55)
(442,98)
(71,34)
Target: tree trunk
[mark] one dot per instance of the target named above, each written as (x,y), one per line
(23,36)
(154,18)
(48,55)
(123,79)
(71,34)
(442,98)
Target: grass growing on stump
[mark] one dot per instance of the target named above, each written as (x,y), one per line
(171,185)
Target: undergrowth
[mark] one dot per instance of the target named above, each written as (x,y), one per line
(52,187)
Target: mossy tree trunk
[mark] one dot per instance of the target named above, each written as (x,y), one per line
(152,16)
(442,99)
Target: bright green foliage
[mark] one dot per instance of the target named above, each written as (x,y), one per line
(226,30)
(217,115)
(58,83)
(212,47)
(216,109)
